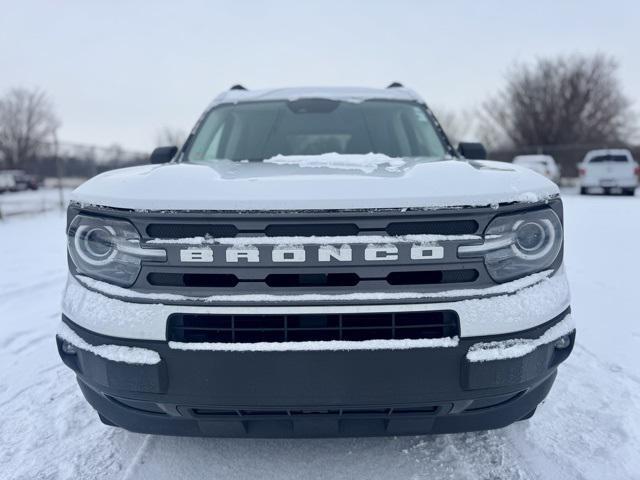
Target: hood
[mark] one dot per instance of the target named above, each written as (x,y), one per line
(323,182)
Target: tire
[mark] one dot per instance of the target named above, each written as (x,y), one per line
(583,191)
(629,192)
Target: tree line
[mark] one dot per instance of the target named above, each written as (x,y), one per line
(550,102)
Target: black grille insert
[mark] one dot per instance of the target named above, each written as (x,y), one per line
(431,277)
(193,279)
(312,280)
(451,227)
(292,413)
(291,280)
(185,230)
(203,228)
(319,229)
(192,328)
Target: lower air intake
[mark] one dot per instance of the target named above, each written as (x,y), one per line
(194,328)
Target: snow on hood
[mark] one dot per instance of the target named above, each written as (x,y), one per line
(368,163)
(316,182)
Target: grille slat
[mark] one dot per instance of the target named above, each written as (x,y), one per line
(315,280)
(299,328)
(202,229)
(313,413)
(253,265)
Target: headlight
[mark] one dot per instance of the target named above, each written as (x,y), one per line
(108,249)
(519,244)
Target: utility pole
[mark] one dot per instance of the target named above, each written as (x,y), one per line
(58,171)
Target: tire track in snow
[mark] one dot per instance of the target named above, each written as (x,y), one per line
(612,367)
(137,457)
(58,278)
(24,341)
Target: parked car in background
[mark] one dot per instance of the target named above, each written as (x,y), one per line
(23,181)
(542,164)
(7,181)
(608,171)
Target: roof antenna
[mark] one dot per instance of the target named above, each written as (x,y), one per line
(237,86)
(395,85)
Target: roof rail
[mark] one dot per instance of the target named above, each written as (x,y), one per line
(237,86)
(395,85)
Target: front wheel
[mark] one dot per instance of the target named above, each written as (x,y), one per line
(583,190)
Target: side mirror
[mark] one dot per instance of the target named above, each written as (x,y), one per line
(163,154)
(472,151)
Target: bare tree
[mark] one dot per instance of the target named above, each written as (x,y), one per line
(28,125)
(167,136)
(114,155)
(574,99)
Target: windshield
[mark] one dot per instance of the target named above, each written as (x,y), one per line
(260,130)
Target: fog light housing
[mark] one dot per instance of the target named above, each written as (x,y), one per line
(563,342)
(68,348)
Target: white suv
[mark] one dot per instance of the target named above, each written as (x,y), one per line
(543,164)
(609,171)
(316,262)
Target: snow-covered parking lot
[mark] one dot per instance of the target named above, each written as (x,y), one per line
(589,427)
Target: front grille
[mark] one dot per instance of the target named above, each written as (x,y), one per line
(237,279)
(186,230)
(191,328)
(201,229)
(316,413)
(289,280)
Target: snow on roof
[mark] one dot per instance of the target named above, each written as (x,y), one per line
(345,94)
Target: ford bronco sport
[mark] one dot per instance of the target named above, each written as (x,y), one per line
(316,262)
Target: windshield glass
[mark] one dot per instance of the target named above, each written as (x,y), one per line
(609,158)
(260,130)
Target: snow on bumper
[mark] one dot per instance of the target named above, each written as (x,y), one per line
(519,347)
(115,353)
(508,308)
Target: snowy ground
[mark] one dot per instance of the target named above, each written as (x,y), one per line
(589,427)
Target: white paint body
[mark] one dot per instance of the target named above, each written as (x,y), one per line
(320,182)
(229,185)
(310,182)
(507,308)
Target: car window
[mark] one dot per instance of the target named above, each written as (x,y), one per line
(609,158)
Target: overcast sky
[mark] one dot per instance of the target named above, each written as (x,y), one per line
(119,70)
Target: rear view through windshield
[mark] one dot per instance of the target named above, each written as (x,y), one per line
(260,130)
(609,158)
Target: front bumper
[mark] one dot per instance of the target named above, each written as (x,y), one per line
(318,393)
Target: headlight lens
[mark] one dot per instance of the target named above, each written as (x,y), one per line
(519,244)
(108,249)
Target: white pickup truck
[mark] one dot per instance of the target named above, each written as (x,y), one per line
(609,171)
